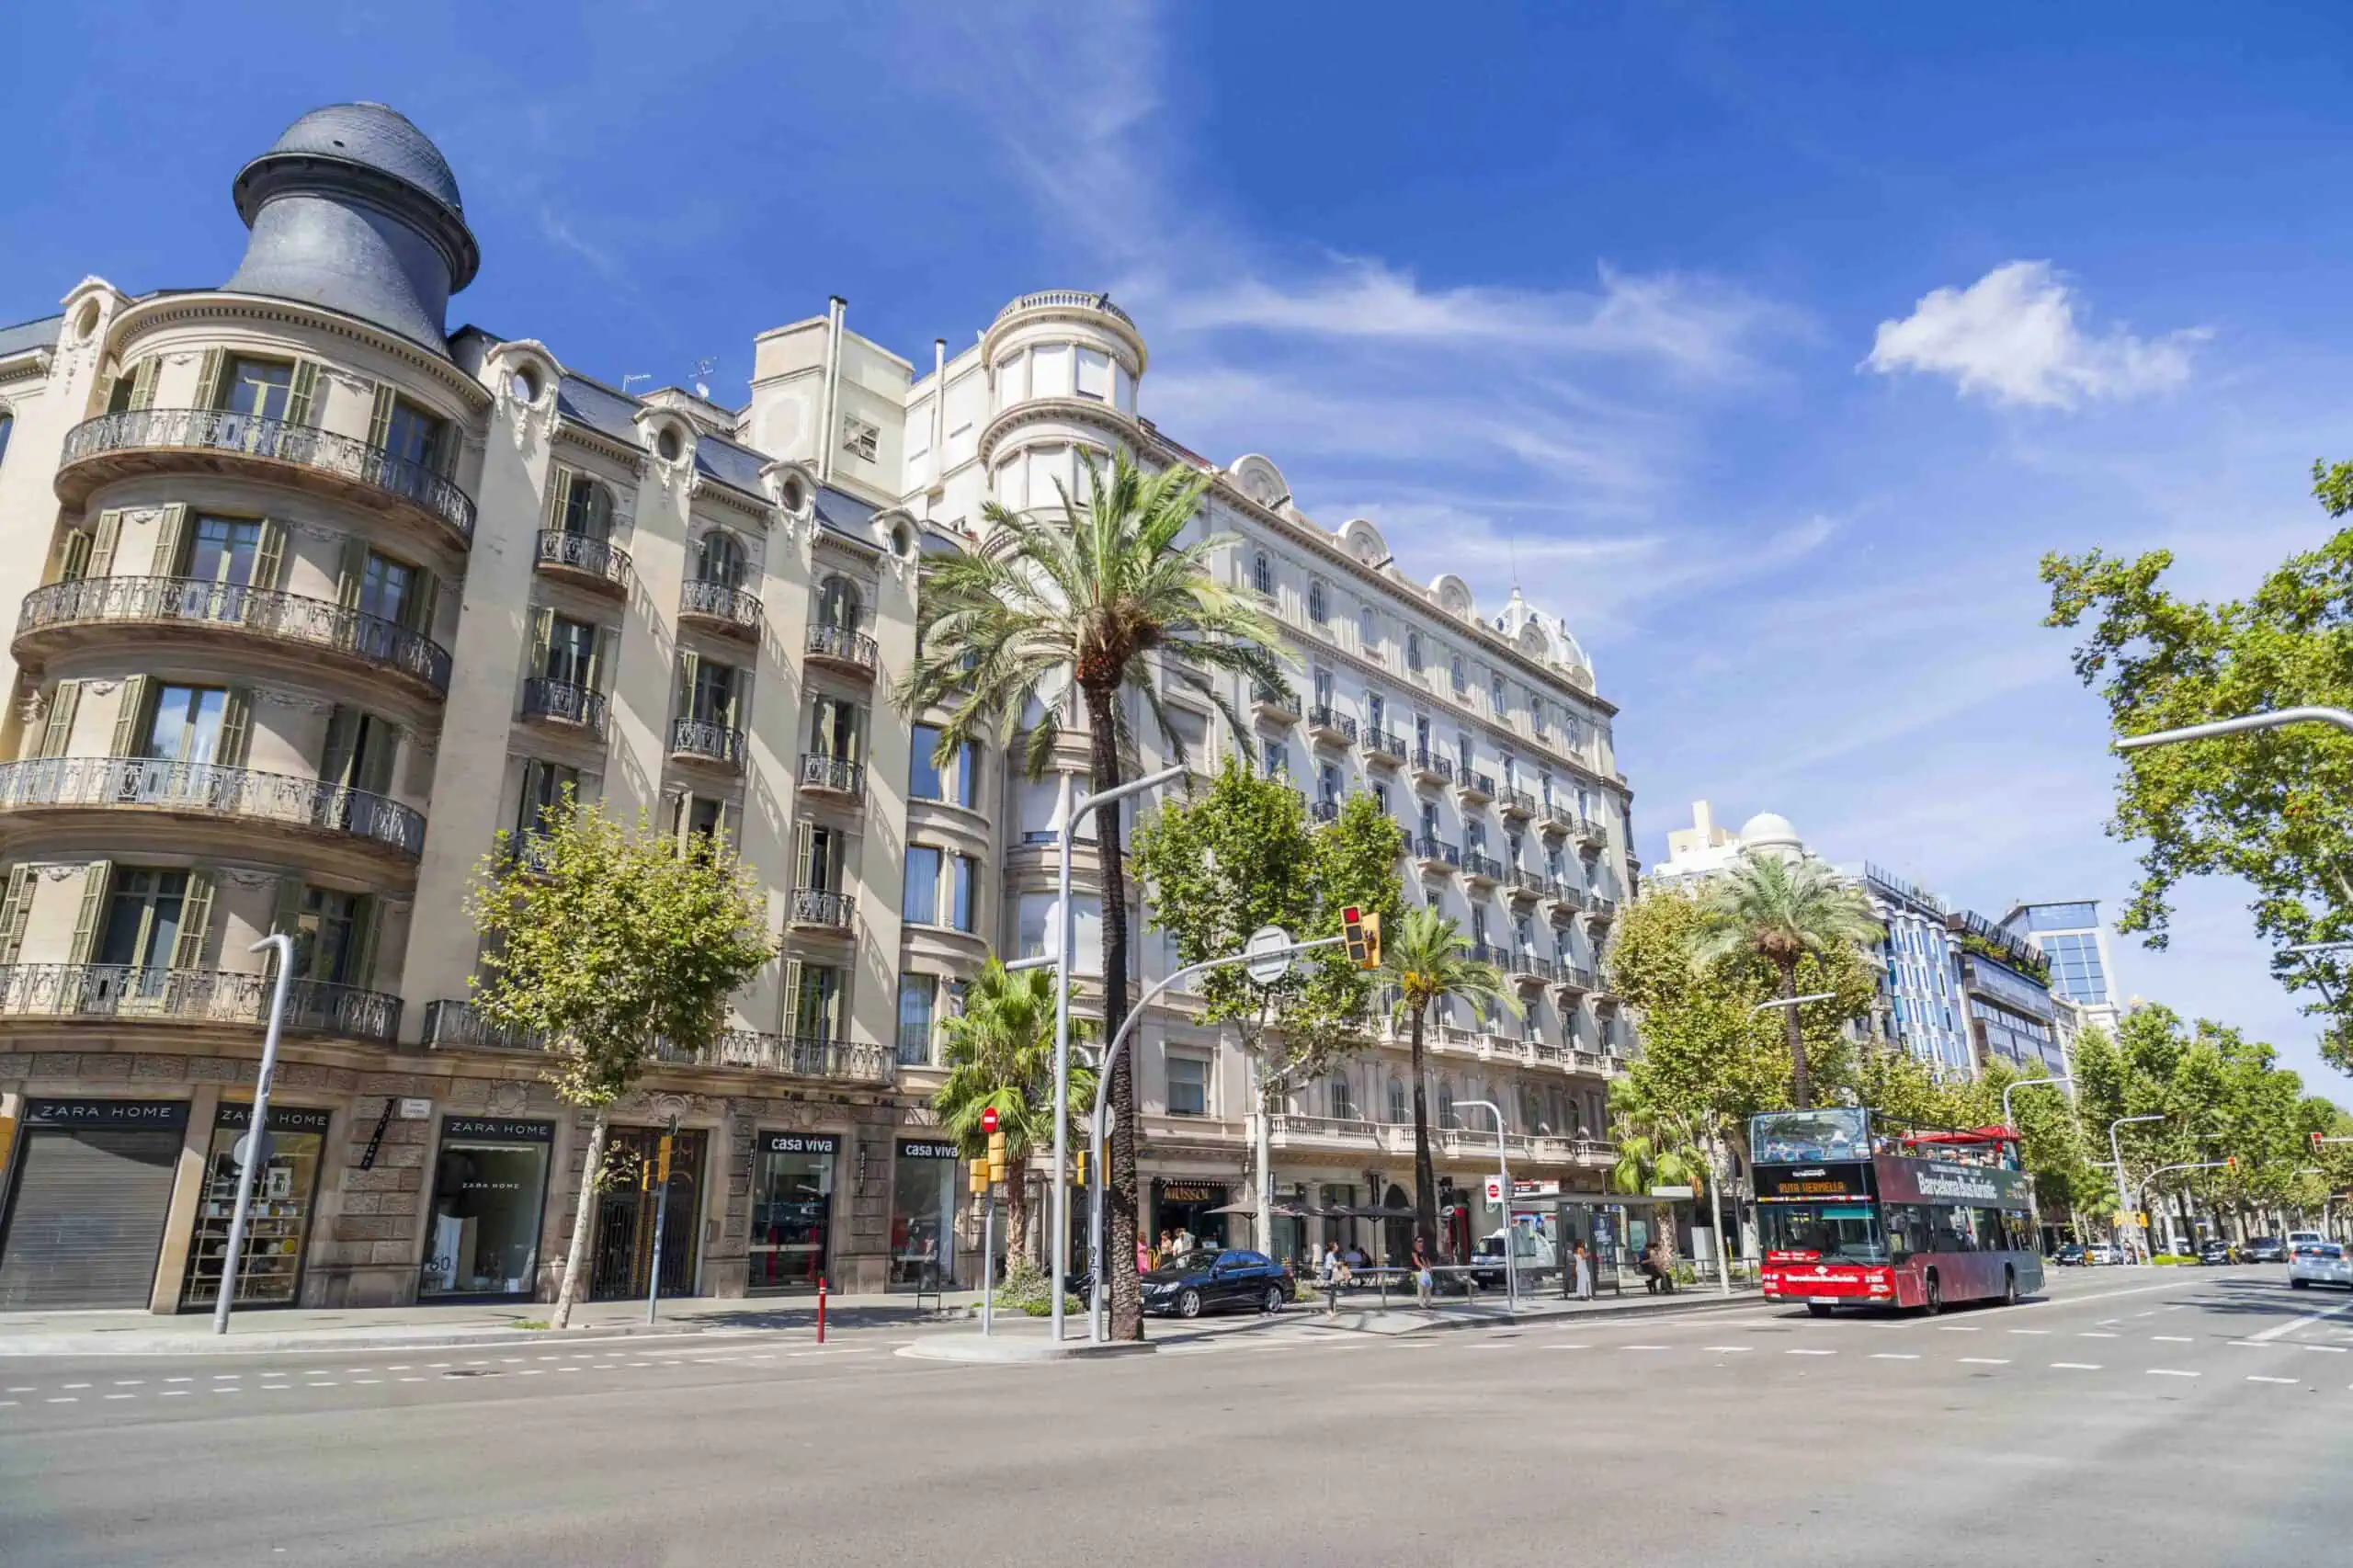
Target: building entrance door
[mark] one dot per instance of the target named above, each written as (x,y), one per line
(625,1216)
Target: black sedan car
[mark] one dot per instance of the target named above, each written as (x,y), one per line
(2069,1256)
(2213,1252)
(2265,1249)
(1213,1281)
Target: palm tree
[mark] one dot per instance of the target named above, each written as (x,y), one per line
(1782,910)
(1106,599)
(1429,959)
(999,1052)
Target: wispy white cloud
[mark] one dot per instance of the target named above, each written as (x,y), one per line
(2012,337)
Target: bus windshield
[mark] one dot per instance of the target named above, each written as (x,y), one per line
(1846,1232)
(1800,1137)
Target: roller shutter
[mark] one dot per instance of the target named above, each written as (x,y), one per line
(85,1215)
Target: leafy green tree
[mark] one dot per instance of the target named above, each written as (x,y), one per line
(1425,961)
(1242,856)
(607,944)
(2268,808)
(999,1052)
(1784,911)
(1104,600)
(1658,1145)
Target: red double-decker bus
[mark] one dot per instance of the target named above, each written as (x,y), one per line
(1857,1216)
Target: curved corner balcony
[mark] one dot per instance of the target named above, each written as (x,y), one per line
(714,745)
(843,648)
(735,611)
(591,562)
(1065,299)
(564,704)
(135,993)
(201,792)
(211,440)
(64,613)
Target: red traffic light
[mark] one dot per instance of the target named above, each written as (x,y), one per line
(988,1119)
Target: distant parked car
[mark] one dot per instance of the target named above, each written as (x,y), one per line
(2265,1249)
(2320,1262)
(2069,1256)
(2106,1253)
(1209,1281)
(2297,1238)
(2214,1251)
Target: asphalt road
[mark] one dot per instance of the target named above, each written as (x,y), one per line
(2135,1417)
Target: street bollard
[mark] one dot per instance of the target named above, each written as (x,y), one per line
(821,1308)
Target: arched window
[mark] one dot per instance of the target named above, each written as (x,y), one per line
(588,509)
(1531,1112)
(7,428)
(1401,1106)
(1413,651)
(722,562)
(1344,1105)
(1262,574)
(1367,629)
(1462,677)
(1319,602)
(837,604)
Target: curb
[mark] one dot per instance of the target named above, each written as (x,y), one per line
(56,1347)
(1500,1318)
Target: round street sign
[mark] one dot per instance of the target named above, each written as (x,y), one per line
(1268,962)
(988,1119)
(268,1147)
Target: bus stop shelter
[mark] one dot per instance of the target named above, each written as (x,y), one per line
(1605,1222)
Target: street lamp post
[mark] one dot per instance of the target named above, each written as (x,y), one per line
(256,1140)
(1065,929)
(2123,1195)
(1503,1169)
(2244,722)
(2010,1089)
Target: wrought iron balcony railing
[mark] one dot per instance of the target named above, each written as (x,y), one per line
(136,783)
(275,440)
(1384,745)
(1485,868)
(1432,765)
(1514,803)
(1328,721)
(564,702)
(706,742)
(819,906)
(1480,786)
(599,559)
(842,645)
(1526,883)
(1437,851)
(737,608)
(195,996)
(284,618)
(833,773)
(461,1025)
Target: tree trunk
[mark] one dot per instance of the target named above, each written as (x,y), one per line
(1801,1091)
(1425,1173)
(575,1257)
(1262,1156)
(1016,1211)
(1123,1196)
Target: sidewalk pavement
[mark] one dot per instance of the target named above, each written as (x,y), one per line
(422,1327)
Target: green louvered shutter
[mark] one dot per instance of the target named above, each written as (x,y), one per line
(94,879)
(57,733)
(142,382)
(73,556)
(542,639)
(302,400)
(236,726)
(270,555)
(600,659)
(804,856)
(378,749)
(352,574)
(288,918)
(171,537)
(195,921)
(368,922)
(791,997)
(559,497)
(425,605)
(130,718)
(109,533)
(380,419)
(342,747)
(209,376)
(16,909)
(689,664)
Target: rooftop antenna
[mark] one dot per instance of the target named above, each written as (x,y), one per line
(702,370)
(640,376)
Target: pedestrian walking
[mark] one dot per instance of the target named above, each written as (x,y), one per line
(1425,1282)
(1585,1273)
(1333,1274)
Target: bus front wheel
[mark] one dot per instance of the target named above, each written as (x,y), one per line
(2009,1286)
(1932,1296)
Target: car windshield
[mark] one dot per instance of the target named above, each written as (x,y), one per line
(1849,1232)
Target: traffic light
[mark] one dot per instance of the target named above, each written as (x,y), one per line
(979,1177)
(996,1156)
(2230,1161)
(1079,1175)
(1361,934)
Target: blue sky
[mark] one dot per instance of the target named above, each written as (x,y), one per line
(1770,344)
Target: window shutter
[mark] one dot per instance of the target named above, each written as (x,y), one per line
(739,698)
(302,402)
(169,537)
(94,901)
(542,639)
(682,813)
(195,921)
(425,603)
(857,744)
(791,998)
(73,556)
(723,824)
(805,848)
(376,757)
(559,497)
(142,382)
(342,740)
(353,573)
(57,734)
(368,922)
(16,909)
(236,726)
(380,419)
(102,547)
(287,916)
(207,379)
(689,662)
(270,555)
(129,718)
(445,449)
(600,659)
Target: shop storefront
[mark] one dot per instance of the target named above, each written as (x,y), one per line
(490,1186)
(1189,1206)
(277,1226)
(792,1208)
(923,1215)
(89,1189)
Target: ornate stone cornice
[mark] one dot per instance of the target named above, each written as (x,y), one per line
(166,310)
(1061,411)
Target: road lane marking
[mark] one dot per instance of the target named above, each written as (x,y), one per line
(35,1388)
(1643,1348)
(129,1383)
(2075,1366)
(2331,1349)
(1957,1328)
(228,1390)
(1722,1350)
(2096,1334)
(329,1384)
(8,1405)
(2277,1330)
(2258,1378)
(72,1385)
(1588,1348)
(530,1371)
(227,1377)
(66,1398)
(401,1368)
(173,1394)
(1892,1355)
(1985,1360)
(2170,1372)
(122,1396)
(367,1379)
(1809,1353)
(2029,1331)
(2173,1339)
(412,1380)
